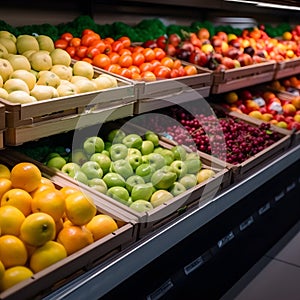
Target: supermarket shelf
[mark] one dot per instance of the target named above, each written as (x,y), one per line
(103,278)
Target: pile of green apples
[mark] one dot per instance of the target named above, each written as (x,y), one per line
(133,169)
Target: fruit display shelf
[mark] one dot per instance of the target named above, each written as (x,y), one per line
(245,76)
(287,68)
(32,121)
(2,125)
(60,273)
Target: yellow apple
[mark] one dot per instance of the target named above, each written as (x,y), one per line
(45,42)
(7,34)
(27,76)
(60,57)
(26,42)
(3,93)
(48,78)
(19,62)
(85,86)
(9,45)
(5,69)
(83,68)
(62,71)
(43,92)
(40,60)
(15,84)
(3,52)
(20,97)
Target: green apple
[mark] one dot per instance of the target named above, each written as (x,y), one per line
(159,197)
(156,160)
(122,167)
(145,159)
(118,193)
(153,137)
(133,140)
(116,136)
(80,176)
(106,152)
(179,168)
(92,169)
(141,191)
(118,151)
(147,147)
(113,179)
(51,155)
(134,160)
(189,180)
(204,174)
(79,157)
(70,168)
(103,161)
(141,205)
(93,144)
(56,162)
(132,181)
(177,188)
(145,171)
(168,155)
(134,151)
(163,178)
(179,152)
(158,149)
(98,184)
(193,164)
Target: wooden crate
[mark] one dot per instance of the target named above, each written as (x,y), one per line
(242,170)
(246,76)
(60,273)
(287,68)
(27,122)
(2,125)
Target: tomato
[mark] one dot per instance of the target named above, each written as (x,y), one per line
(190,70)
(99,44)
(168,62)
(134,69)
(138,49)
(67,36)
(136,76)
(75,42)
(161,42)
(101,60)
(81,51)
(181,71)
(162,72)
(108,40)
(114,57)
(177,63)
(87,31)
(114,68)
(148,76)
(117,46)
(107,48)
(125,61)
(174,39)
(149,54)
(170,50)
(159,53)
(87,59)
(126,73)
(155,63)
(194,40)
(60,43)
(138,58)
(125,51)
(71,51)
(174,73)
(125,41)
(88,39)
(92,51)
(146,66)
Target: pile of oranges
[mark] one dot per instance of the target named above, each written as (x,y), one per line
(122,58)
(41,224)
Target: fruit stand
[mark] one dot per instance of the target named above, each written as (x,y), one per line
(176,112)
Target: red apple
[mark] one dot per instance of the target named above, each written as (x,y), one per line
(245,59)
(228,62)
(289,109)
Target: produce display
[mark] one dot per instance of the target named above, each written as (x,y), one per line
(41,224)
(273,106)
(32,69)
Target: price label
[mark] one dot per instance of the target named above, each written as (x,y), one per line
(260,101)
(161,291)
(293,91)
(264,208)
(246,223)
(225,240)
(167,135)
(291,186)
(279,196)
(276,106)
(193,265)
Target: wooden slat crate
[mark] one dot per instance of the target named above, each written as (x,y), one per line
(58,274)
(26,122)
(287,68)
(2,125)
(246,76)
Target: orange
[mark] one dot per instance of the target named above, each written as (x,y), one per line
(12,251)
(4,171)
(37,229)
(2,269)
(46,184)
(25,175)
(11,219)
(80,208)
(14,275)
(74,238)
(18,198)
(101,225)
(59,225)
(46,255)
(47,181)
(50,201)
(5,185)
(68,190)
